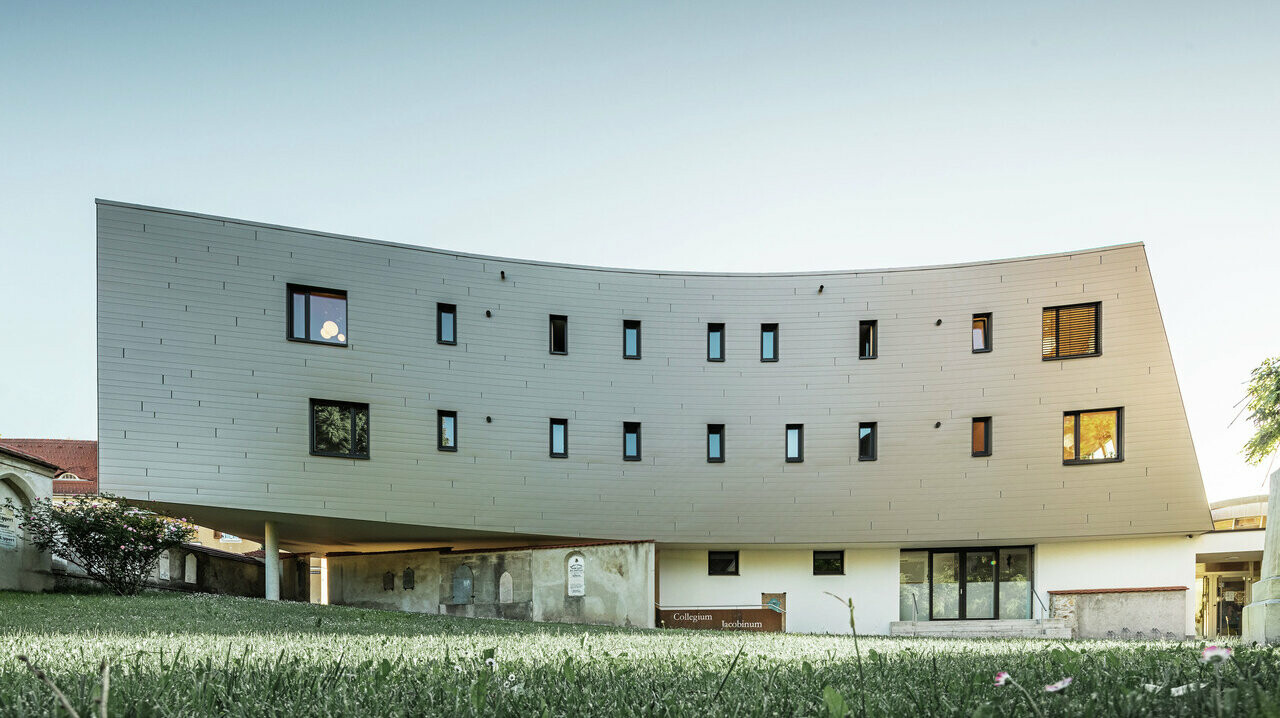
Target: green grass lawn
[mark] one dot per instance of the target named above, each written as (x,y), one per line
(180,655)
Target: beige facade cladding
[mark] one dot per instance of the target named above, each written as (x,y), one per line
(529,583)
(203,404)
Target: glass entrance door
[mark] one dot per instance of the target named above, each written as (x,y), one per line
(976,584)
(979,584)
(946,576)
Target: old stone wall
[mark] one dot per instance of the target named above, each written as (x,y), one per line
(1137,615)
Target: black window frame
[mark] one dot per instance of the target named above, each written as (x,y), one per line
(786,449)
(628,325)
(875,440)
(352,407)
(986,436)
(765,329)
(441,415)
(718,430)
(1119,410)
(715,327)
(829,556)
(987,333)
(1057,331)
(631,427)
(452,310)
(961,554)
(551,438)
(308,290)
(551,339)
(874,325)
(724,555)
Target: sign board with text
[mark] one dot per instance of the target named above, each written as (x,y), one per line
(722,619)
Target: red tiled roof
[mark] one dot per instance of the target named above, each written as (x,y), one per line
(75,456)
(1125,590)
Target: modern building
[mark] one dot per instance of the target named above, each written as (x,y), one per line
(1229,563)
(951,446)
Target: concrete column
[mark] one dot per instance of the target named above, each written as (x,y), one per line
(1262,616)
(271,547)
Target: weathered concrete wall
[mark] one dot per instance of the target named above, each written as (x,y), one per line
(618,590)
(1138,615)
(22,566)
(214,572)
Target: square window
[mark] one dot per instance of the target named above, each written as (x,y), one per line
(715,443)
(631,339)
(1093,437)
(795,443)
(715,342)
(559,334)
(631,440)
(828,563)
(316,315)
(722,563)
(768,342)
(559,438)
(867,339)
(447,430)
(981,333)
(446,323)
(982,436)
(339,428)
(1071,331)
(867,441)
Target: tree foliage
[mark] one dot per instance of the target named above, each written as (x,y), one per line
(1264,411)
(113,542)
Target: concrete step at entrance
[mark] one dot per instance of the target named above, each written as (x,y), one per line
(1008,628)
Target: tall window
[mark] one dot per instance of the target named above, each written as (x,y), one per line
(446,323)
(868,340)
(722,563)
(867,441)
(631,440)
(339,428)
(559,334)
(715,342)
(317,315)
(795,443)
(715,443)
(768,342)
(631,339)
(447,430)
(559,438)
(981,333)
(1071,331)
(828,563)
(982,436)
(1093,437)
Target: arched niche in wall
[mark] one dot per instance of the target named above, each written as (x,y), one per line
(462,582)
(189,569)
(575,569)
(11,489)
(505,588)
(407,579)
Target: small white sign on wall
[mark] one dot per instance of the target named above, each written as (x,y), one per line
(8,540)
(577,575)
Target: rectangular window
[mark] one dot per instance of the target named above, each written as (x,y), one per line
(972,583)
(722,563)
(447,430)
(795,443)
(1071,331)
(982,436)
(559,334)
(715,342)
(715,443)
(768,342)
(867,441)
(631,440)
(828,563)
(867,340)
(981,333)
(631,339)
(1093,437)
(446,324)
(559,438)
(317,315)
(339,428)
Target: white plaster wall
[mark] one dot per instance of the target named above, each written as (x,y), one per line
(871,578)
(1120,563)
(22,568)
(1229,541)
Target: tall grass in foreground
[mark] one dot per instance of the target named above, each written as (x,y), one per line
(201,655)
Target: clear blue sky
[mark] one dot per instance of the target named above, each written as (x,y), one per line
(713,136)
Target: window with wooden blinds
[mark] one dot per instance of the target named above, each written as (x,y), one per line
(1072,331)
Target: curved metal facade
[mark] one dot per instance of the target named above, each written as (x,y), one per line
(204,404)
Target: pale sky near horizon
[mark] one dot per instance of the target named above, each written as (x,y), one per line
(694,136)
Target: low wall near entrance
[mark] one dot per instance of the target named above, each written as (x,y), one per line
(1129,613)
